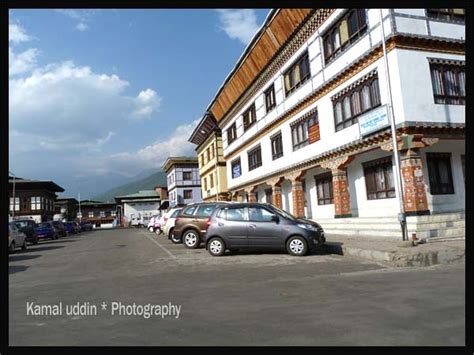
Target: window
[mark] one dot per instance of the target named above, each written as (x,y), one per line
(211,184)
(277,146)
(231,133)
(187,175)
(189,211)
(270,101)
(300,131)
(211,151)
(452,15)
(360,99)
(268,195)
(36,203)
(255,158)
(249,117)
(113,213)
(174,214)
(257,214)
(297,74)
(188,194)
(14,204)
(439,170)
(236,168)
(347,30)
(324,189)
(379,178)
(235,214)
(91,214)
(449,83)
(102,214)
(204,180)
(205,210)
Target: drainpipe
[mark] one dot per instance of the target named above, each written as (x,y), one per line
(396,155)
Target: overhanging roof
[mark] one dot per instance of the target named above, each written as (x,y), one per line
(24,184)
(203,130)
(171,161)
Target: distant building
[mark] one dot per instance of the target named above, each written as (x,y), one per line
(162,191)
(65,209)
(142,205)
(100,214)
(184,184)
(212,167)
(32,199)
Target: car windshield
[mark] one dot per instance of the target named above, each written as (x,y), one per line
(284,213)
(21,224)
(44,224)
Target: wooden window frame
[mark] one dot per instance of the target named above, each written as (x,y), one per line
(321,180)
(270,99)
(329,53)
(445,99)
(257,151)
(435,186)
(187,191)
(443,15)
(231,133)
(278,152)
(305,124)
(370,169)
(290,73)
(353,118)
(249,117)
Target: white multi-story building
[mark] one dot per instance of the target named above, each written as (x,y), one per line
(305,113)
(184,183)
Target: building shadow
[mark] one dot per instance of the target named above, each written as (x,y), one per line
(21,257)
(12,269)
(43,248)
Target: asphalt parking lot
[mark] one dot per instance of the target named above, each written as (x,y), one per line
(238,299)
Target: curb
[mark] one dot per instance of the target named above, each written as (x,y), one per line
(400,259)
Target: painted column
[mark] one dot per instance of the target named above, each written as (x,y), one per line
(276,196)
(342,198)
(414,191)
(298,198)
(252,197)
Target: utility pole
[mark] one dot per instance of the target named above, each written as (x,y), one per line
(396,155)
(13,209)
(80,213)
(216,167)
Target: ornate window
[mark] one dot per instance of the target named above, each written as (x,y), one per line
(255,158)
(300,130)
(379,178)
(231,133)
(277,146)
(324,189)
(439,170)
(451,15)
(448,79)
(270,101)
(249,117)
(295,76)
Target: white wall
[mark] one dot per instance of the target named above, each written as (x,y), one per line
(140,208)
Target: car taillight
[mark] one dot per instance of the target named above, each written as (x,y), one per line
(208,223)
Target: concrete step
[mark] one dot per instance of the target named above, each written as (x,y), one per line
(395,226)
(364,232)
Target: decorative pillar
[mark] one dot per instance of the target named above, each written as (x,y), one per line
(252,197)
(276,196)
(297,192)
(340,185)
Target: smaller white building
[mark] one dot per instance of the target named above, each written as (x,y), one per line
(140,206)
(184,183)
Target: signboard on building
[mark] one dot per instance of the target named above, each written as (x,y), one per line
(373,120)
(313,133)
(236,170)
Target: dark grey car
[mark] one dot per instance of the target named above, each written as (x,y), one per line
(260,226)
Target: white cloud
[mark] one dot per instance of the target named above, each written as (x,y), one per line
(17,34)
(64,106)
(238,24)
(22,62)
(81,26)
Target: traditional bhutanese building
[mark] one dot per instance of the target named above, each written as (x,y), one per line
(212,168)
(305,112)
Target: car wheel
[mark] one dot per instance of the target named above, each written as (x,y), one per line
(191,239)
(175,239)
(151,229)
(158,231)
(12,248)
(297,246)
(170,233)
(216,246)
(24,247)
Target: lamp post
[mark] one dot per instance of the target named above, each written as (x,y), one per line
(396,156)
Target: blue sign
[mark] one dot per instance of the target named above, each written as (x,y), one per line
(373,120)
(236,171)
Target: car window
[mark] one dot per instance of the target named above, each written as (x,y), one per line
(174,214)
(189,211)
(13,227)
(258,214)
(205,210)
(21,224)
(235,214)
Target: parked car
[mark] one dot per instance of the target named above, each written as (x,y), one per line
(46,230)
(70,227)
(15,238)
(86,226)
(27,226)
(77,226)
(260,226)
(190,224)
(60,228)
(155,224)
(170,221)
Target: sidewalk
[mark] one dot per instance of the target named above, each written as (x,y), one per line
(397,253)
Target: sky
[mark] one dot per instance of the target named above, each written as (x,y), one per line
(97,97)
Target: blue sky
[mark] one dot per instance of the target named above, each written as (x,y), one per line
(95,93)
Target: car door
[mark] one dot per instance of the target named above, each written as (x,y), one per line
(231,224)
(263,231)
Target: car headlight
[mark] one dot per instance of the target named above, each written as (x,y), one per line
(308,227)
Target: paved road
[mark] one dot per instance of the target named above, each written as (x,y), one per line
(244,299)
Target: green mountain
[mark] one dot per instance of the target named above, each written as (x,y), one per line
(147,183)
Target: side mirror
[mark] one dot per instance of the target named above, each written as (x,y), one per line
(275,218)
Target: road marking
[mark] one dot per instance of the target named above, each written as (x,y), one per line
(161,246)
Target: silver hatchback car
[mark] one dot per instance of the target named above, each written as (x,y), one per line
(16,238)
